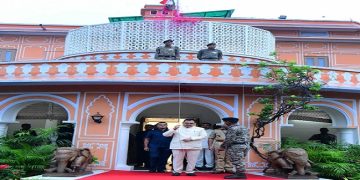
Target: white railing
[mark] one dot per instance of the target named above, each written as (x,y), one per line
(189,36)
(160,71)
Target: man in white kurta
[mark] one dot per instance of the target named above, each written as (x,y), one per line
(186,142)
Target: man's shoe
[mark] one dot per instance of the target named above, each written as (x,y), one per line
(161,171)
(176,174)
(229,171)
(236,176)
(209,168)
(152,171)
(190,174)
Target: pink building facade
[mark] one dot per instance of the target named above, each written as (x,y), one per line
(65,74)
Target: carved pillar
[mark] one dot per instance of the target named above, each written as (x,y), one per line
(3,129)
(346,135)
(123,145)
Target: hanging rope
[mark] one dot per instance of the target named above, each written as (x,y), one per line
(179,92)
(179,100)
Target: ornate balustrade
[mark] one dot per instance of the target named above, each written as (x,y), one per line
(189,36)
(163,72)
(148,55)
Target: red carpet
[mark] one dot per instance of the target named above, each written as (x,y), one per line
(141,175)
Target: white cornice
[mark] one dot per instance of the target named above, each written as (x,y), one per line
(317,39)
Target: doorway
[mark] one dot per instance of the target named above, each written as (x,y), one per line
(169,113)
(45,115)
(303,124)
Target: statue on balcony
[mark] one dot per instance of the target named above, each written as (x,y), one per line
(167,52)
(210,54)
(69,162)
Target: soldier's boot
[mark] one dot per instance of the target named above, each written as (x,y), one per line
(237,175)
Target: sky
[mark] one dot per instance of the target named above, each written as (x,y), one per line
(88,12)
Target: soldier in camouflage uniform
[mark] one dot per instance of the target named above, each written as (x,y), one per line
(210,54)
(237,144)
(168,52)
(222,161)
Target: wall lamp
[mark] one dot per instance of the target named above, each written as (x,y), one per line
(97,117)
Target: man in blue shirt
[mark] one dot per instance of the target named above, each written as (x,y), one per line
(142,157)
(158,146)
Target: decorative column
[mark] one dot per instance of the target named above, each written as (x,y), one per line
(4,128)
(123,145)
(346,136)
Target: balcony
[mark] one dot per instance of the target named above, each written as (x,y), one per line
(145,36)
(157,71)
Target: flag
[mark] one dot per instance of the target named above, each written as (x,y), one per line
(163,2)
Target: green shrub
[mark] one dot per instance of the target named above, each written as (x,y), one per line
(333,161)
(7,172)
(335,170)
(27,155)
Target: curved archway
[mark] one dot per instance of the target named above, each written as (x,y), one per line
(164,110)
(221,108)
(216,109)
(168,112)
(302,124)
(11,107)
(9,113)
(41,114)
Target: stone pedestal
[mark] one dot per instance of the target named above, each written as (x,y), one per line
(287,176)
(301,177)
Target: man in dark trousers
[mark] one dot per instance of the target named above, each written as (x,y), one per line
(158,147)
(142,157)
(237,144)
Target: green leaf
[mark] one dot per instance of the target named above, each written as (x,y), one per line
(244,64)
(262,64)
(293,96)
(259,88)
(273,54)
(252,114)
